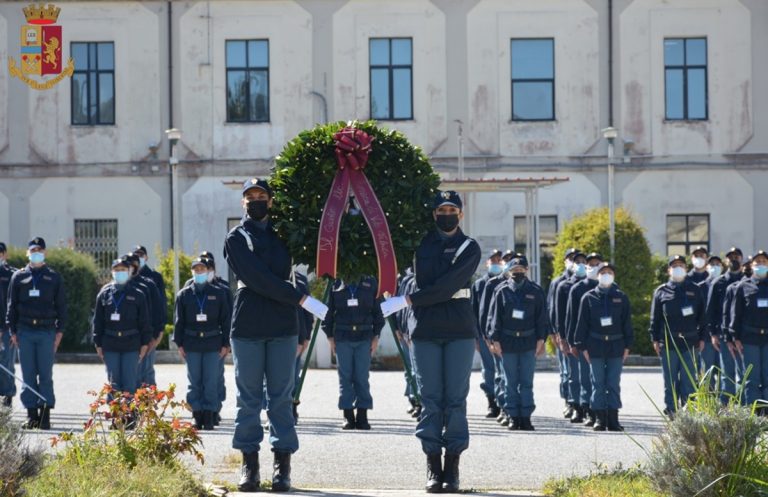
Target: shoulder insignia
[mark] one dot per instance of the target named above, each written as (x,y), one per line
(617,300)
(130,297)
(211,297)
(530,296)
(47,278)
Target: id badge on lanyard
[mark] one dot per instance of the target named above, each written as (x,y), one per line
(688,311)
(34,292)
(606,321)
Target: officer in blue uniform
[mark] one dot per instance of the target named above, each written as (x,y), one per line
(749,326)
(494,268)
(562,292)
(158,307)
(36,317)
(264,337)
(353,326)
(518,327)
(711,355)
(594,261)
(678,327)
(403,336)
(201,332)
(718,321)
(121,328)
(736,374)
(699,262)
(562,357)
(604,336)
(443,338)
(8,352)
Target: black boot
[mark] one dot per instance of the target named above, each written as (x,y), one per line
(525,424)
(33,420)
(493,408)
(600,420)
(349,420)
(281,477)
(413,406)
(295,413)
(208,420)
(613,420)
(361,422)
(500,417)
(417,412)
(451,473)
(198,416)
(568,412)
(578,415)
(590,418)
(45,418)
(249,473)
(506,421)
(434,474)
(514,424)
(217,418)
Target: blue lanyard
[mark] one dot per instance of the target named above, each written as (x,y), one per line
(200,302)
(352,290)
(515,299)
(35,279)
(117,301)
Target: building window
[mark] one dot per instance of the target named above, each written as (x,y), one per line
(685,78)
(547,234)
(93,83)
(533,79)
(686,231)
(391,72)
(98,238)
(247,81)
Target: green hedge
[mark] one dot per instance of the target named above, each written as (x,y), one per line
(165,268)
(635,270)
(81,283)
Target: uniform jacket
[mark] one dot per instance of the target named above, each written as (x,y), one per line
(715,301)
(486,302)
(157,279)
(749,312)
(154,303)
(552,295)
(211,334)
(48,311)
(132,329)
(667,307)
(518,317)
(406,286)
(562,293)
(600,337)
(306,319)
(725,326)
(572,308)
(697,276)
(354,323)
(477,294)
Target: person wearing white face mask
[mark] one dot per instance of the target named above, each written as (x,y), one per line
(604,335)
(699,263)
(677,328)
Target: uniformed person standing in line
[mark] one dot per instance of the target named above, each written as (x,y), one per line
(736,376)
(36,317)
(678,324)
(488,386)
(604,336)
(158,308)
(201,332)
(443,339)
(264,337)
(518,327)
(749,325)
(711,355)
(699,262)
(8,352)
(121,328)
(353,326)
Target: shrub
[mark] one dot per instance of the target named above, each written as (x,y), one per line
(634,268)
(165,268)
(81,282)
(604,483)
(18,460)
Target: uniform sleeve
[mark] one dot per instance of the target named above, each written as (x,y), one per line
(179,320)
(737,313)
(656,327)
(725,313)
(252,271)
(542,319)
(225,318)
(156,310)
(451,281)
(477,293)
(495,313)
(583,322)
(626,325)
(551,296)
(160,283)
(330,317)
(61,305)
(144,319)
(12,315)
(378,316)
(97,321)
(571,313)
(715,307)
(701,317)
(561,302)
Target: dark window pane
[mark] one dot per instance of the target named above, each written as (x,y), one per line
(80,54)
(673,52)
(401,52)
(674,93)
(235,54)
(697,94)
(548,230)
(79,98)
(258,53)
(521,232)
(696,52)
(106,55)
(259,110)
(677,250)
(676,229)
(93,86)
(236,96)
(532,100)
(401,83)
(532,59)
(107,98)
(379,52)
(698,229)
(379,93)
(91,56)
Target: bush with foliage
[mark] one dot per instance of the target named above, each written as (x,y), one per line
(165,268)
(19,461)
(634,268)
(81,282)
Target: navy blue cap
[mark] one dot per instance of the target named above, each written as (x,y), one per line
(38,241)
(700,248)
(120,262)
(3,248)
(205,254)
(199,261)
(714,258)
(518,261)
(508,255)
(448,197)
(605,265)
(734,250)
(257,183)
(140,250)
(675,258)
(570,253)
(759,252)
(495,253)
(131,259)
(594,255)
(579,253)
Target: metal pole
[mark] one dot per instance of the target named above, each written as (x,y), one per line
(175,179)
(611,207)
(537,235)
(461,150)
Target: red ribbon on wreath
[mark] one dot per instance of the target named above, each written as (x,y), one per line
(352,149)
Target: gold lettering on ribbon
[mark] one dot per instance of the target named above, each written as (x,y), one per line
(14,70)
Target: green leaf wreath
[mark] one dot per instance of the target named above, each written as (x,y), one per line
(399,173)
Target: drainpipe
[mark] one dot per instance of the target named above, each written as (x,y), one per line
(170,111)
(610,63)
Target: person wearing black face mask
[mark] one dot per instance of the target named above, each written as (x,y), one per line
(264,337)
(443,339)
(517,328)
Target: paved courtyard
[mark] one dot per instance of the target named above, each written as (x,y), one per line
(389,456)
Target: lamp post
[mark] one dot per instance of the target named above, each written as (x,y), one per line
(174,135)
(611,134)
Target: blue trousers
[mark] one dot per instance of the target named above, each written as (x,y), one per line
(122,370)
(499,381)
(203,380)
(296,376)
(8,360)
(222,387)
(562,362)
(488,386)
(585,382)
(709,356)
(36,358)
(732,372)
(255,360)
(756,383)
(606,382)
(353,361)
(676,379)
(147,369)
(574,380)
(518,381)
(409,362)
(443,371)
